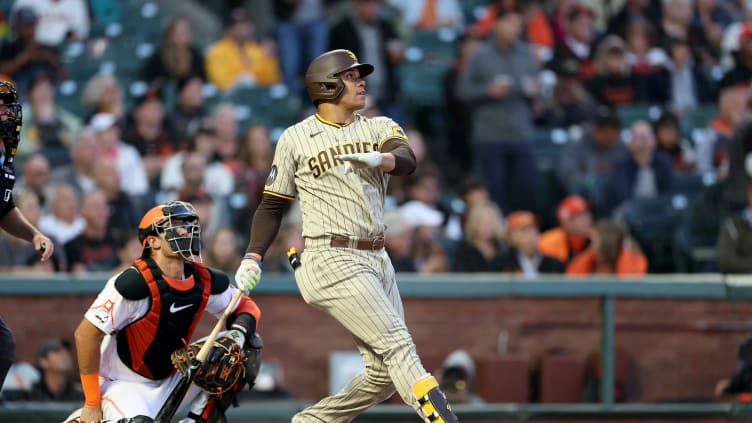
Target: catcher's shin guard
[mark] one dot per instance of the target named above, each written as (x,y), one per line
(433,402)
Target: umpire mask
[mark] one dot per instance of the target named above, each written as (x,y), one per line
(10,120)
(179,223)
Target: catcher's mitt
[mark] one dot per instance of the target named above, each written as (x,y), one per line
(222,369)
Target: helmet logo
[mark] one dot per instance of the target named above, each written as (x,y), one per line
(352,55)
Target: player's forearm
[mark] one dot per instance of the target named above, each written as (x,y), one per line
(16,224)
(266,223)
(399,158)
(88,341)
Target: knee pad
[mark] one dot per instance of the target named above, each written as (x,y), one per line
(137,419)
(432,401)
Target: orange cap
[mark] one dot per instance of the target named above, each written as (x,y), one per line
(520,219)
(569,207)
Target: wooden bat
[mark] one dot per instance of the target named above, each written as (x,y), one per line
(170,407)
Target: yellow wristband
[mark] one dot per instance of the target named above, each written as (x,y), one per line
(90,385)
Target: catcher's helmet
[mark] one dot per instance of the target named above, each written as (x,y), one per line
(321,78)
(168,219)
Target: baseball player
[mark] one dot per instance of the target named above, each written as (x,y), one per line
(147,312)
(11,219)
(339,163)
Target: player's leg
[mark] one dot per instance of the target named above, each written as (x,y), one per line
(433,404)
(7,350)
(355,289)
(369,387)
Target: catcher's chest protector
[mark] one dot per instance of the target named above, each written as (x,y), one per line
(146,344)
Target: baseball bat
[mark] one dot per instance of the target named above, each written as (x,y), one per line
(170,406)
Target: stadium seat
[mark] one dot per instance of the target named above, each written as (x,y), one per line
(652,222)
(504,378)
(631,113)
(272,106)
(690,185)
(698,117)
(422,83)
(696,237)
(562,378)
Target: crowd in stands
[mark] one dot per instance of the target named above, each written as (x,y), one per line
(558,136)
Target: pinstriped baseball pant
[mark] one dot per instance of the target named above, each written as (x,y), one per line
(358,288)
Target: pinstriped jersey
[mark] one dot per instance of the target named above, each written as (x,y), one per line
(335,197)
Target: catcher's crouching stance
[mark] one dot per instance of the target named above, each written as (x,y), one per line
(131,340)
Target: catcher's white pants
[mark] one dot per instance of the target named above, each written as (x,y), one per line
(124,399)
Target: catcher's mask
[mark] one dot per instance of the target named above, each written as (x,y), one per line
(10,119)
(179,223)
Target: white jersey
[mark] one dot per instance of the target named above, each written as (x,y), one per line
(335,197)
(110,312)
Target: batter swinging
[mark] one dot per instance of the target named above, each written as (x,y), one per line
(339,163)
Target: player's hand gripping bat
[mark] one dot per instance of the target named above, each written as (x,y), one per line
(170,407)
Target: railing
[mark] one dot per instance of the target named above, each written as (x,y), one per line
(694,286)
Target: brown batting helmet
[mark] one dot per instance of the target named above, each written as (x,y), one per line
(321,78)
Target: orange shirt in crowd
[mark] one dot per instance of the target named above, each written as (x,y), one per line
(630,262)
(558,244)
(537,28)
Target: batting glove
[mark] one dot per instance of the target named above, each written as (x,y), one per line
(361,160)
(248,274)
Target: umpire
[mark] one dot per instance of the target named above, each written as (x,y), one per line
(11,219)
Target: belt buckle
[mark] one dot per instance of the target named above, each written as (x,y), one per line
(374,241)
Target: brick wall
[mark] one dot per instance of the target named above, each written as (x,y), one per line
(679,348)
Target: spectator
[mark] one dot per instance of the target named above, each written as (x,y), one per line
(255,162)
(301,28)
(740,382)
(713,146)
(612,252)
(128,250)
(523,256)
(373,38)
(59,20)
(669,140)
(58,380)
(15,254)
(122,210)
(189,111)
(458,123)
(103,94)
(63,221)
(645,171)
(586,165)
(218,177)
(579,42)
(499,82)
(226,127)
(739,166)
(22,57)
(290,235)
(398,184)
(48,128)
(634,9)
(569,103)
(79,172)
(690,86)
(644,55)
(398,241)
(458,378)
(129,165)
(223,250)
(483,246)
(472,191)
(147,130)
(573,234)
(428,254)
(177,58)
(676,22)
(614,84)
(538,30)
(741,73)
(36,176)
(237,59)
(94,249)
(424,15)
